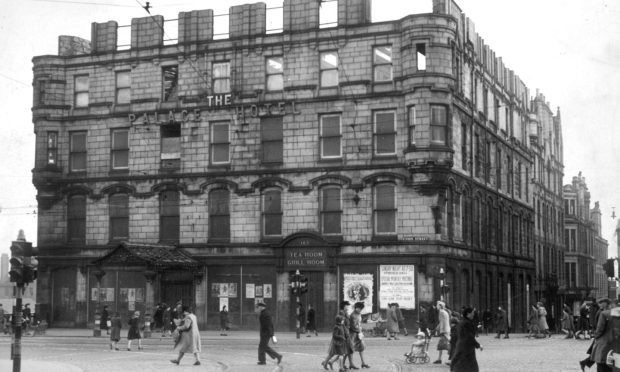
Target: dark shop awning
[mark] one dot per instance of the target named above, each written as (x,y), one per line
(157,256)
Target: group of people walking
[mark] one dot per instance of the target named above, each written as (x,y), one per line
(347,338)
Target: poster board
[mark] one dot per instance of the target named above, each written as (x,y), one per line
(359,288)
(397,284)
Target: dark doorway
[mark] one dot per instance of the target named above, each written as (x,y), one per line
(313,297)
(171,292)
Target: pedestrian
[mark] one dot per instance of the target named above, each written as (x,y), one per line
(476,321)
(596,351)
(103,322)
(311,321)
(266,334)
(443,329)
(177,315)
(339,343)
(224,323)
(157,318)
(301,317)
(592,313)
(584,324)
(401,319)
(189,340)
(567,322)
(166,319)
(357,336)
(542,319)
(464,356)
(134,331)
(115,332)
(392,322)
(501,322)
(532,322)
(26,318)
(487,320)
(344,312)
(422,323)
(454,321)
(432,319)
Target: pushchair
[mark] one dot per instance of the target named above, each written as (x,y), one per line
(421,357)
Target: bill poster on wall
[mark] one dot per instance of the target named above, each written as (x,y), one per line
(258,290)
(358,288)
(223,289)
(139,294)
(110,295)
(94,294)
(397,284)
(232,290)
(249,290)
(223,302)
(267,290)
(131,294)
(215,289)
(131,306)
(124,294)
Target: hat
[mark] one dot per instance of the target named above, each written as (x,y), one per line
(441,304)
(420,334)
(604,299)
(261,304)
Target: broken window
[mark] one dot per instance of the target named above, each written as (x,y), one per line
(171,79)
(420,49)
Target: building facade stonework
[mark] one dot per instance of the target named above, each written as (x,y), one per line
(348,153)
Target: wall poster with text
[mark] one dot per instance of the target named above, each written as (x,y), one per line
(358,288)
(397,284)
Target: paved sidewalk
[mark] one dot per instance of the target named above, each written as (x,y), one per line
(31,365)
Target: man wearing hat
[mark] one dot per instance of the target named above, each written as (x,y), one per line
(603,338)
(266,333)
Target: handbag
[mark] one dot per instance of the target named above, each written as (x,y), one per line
(176,335)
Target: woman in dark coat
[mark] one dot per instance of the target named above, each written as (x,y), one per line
(105,316)
(134,331)
(115,334)
(464,359)
(339,342)
(224,321)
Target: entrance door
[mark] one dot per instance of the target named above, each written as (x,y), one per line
(313,297)
(171,292)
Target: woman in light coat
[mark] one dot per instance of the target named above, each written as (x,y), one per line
(189,342)
(392,322)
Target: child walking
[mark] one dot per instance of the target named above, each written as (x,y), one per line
(339,342)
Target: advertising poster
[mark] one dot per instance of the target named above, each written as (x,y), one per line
(223,302)
(124,294)
(131,294)
(110,295)
(139,294)
(267,290)
(358,288)
(397,284)
(258,290)
(215,289)
(223,289)
(249,290)
(232,290)
(94,294)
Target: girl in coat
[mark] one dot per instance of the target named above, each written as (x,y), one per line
(189,342)
(115,332)
(339,342)
(464,359)
(134,331)
(392,322)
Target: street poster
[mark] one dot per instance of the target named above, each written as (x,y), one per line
(139,294)
(258,300)
(223,289)
(124,294)
(258,290)
(267,290)
(132,306)
(215,289)
(358,288)
(397,284)
(232,290)
(249,290)
(223,302)
(94,294)
(131,294)
(110,295)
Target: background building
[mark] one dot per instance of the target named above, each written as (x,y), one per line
(388,162)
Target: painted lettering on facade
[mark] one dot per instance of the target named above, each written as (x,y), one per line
(306,257)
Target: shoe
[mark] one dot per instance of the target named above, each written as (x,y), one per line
(261,363)
(279,359)
(365,365)
(437,362)
(396,338)
(308,335)
(331,367)
(174,361)
(197,363)
(324,365)
(497,336)
(116,349)
(128,349)
(353,367)
(582,364)
(389,339)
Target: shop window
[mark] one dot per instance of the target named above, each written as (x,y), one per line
(275,73)
(382,63)
(272,213)
(77,151)
(221,77)
(119,216)
(169,219)
(170,75)
(220,142)
(271,139)
(76,219)
(120,149)
(420,50)
(329,69)
(219,215)
(171,146)
(385,209)
(439,125)
(331,210)
(123,87)
(385,132)
(331,137)
(81,91)
(52,148)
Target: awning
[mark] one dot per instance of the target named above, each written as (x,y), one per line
(156,256)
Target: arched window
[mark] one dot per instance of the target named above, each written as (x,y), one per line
(331,210)
(272,212)
(118,206)
(76,219)
(169,216)
(219,215)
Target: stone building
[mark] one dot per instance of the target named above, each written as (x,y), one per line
(586,250)
(388,162)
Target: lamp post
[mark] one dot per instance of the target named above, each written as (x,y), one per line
(99,273)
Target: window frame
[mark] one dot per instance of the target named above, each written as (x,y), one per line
(376,210)
(114,151)
(326,213)
(118,215)
(52,148)
(444,126)
(81,92)
(376,134)
(267,142)
(122,88)
(216,216)
(215,79)
(323,137)
(76,219)
(377,65)
(171,157)
(213,143)
(411,123)
(73,153)
(168,214)
(421,50)
(328,70)
(274,75)
(269,215)
(169,94)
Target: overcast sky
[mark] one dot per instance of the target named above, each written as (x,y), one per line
(569,49)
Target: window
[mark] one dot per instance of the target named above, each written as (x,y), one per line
(52,148)
(171,146)
(485,101)
(123,87)
(272,213)
(169,216)
(385,209)
(331,210)
(171,79)
(221,77)
(487,163)
(81,91)
(385,132)
(420,50)
(271,139)
(219,214)
(439,125)
(329,69)
(331,137)
(412,122)
(464,155)
(477,155)
(498,161)
(76,219)
(120,149)
(382,63)
(220,143)
(275,73)
(509,180)
(119,216)
(77,151)
(518,180)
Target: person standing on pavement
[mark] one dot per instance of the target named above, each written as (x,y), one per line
(2,319)
(532,322)
(357,336)
(115,332)
(542,319)
(392,322)
(567,322)
(301,317)
(603,339)
(432,318)
(603,305)
(338,343)
(487,320)
(266,334)
(443,328)
(401,319)
(224,322)
(166,320)
(464,356)
(105,316)
(158,318)
(501,322)
(583,321)
(345,309)
(311,322)
(134,331)
(189,341)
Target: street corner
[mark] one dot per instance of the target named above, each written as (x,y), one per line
(34,365)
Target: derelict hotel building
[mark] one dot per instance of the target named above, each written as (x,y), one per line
(382,160)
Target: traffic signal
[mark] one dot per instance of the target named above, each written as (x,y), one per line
(303,284)
(23,263)
(16,273)
(609,268)
(295,283)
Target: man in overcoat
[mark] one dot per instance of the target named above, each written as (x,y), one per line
(266,334)
(501,322)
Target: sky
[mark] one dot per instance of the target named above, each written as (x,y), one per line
(569,49)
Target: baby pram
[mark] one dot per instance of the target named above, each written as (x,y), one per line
(421,357)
